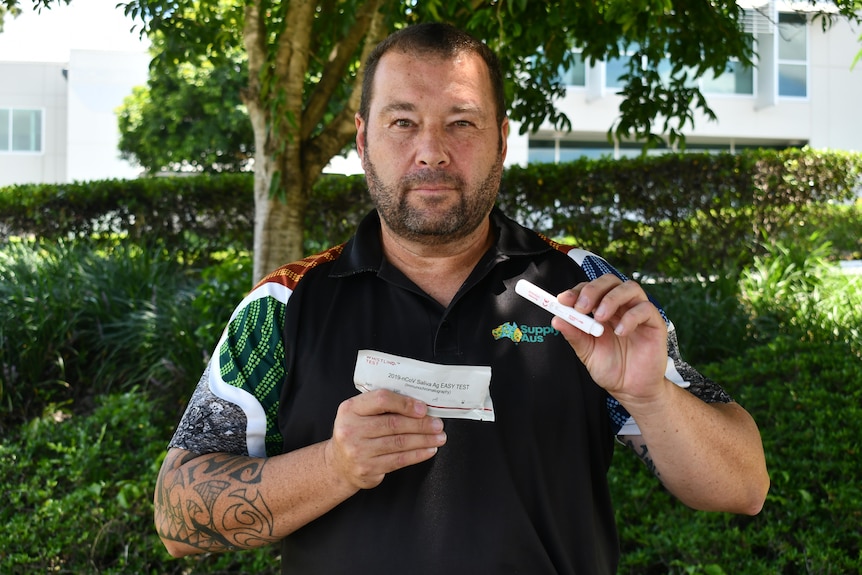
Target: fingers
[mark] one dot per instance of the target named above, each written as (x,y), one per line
(381,431)
(384,401)
(631,360)
(623,305)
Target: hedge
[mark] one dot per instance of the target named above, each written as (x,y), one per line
(680,211)
(656,214)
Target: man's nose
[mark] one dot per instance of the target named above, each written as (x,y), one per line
(431,148)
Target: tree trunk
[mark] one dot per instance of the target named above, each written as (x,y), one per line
(278,224)
(279,207)
(288,157)
(279,197)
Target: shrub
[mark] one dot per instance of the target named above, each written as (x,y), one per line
(803,384)
(807,400)
(80,321)
(711,323)
(670,214)
(793,289)
(678,213)
(100,345)
(79,493)
(190,214)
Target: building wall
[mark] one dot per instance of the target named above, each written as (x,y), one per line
(829,117)
(79,101)
(836,89)
(98,83)
(36,86)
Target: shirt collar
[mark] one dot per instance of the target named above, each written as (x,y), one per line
(364,252)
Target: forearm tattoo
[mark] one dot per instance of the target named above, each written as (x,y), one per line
(214,504)
(642,451)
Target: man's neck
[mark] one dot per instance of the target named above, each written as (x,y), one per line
(439,269)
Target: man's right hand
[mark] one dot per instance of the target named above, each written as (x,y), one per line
(378,432)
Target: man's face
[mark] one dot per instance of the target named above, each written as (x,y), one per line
(431,148)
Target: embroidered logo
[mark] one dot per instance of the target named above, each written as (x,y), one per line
(508,330)
(523,333)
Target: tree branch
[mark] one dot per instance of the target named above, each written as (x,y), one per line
(291,56)
(339,132)
(336,67)
(254,37)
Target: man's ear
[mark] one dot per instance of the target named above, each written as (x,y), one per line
(360,135)
(504,134)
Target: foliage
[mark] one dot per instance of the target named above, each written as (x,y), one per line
(301,92)
(335,209)
(807,401)
(654,31)
(96,461)
(79,491)
(189,117)
(840,224)
(12,10)
(798,372)
(679,213)
(304,71)
(93,321)
(710,322)
(190,214)
(193,215)
(793,290)
(78,470)
(672,215)
(221,286)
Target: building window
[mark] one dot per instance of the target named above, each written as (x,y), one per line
(20,130)
(792,55)
(736,79)
(542,152)
(555,151)
(615,68)
(576,75)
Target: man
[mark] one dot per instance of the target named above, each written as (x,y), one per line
(277,444)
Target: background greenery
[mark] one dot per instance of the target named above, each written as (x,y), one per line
(104,335)
(666,214)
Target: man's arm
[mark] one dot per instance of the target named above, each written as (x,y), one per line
(708,454)
(218,501)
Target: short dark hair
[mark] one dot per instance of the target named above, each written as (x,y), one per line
(438,39)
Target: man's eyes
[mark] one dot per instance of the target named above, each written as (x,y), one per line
(405,123)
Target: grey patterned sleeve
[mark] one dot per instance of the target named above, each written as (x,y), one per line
(701,386)
(211,424)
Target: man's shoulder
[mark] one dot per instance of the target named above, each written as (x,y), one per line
(290,274)
(592,263)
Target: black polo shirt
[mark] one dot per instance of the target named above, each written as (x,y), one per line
(526,493)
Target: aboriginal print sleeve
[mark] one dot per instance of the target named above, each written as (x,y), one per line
(234,406)
(678,371)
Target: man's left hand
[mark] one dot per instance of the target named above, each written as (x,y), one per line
(629,360)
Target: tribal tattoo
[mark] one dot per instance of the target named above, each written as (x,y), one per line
(214,504)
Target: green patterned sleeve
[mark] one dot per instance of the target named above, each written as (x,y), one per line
(234,408)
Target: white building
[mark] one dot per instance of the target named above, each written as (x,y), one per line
(58,120)
(803,91)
